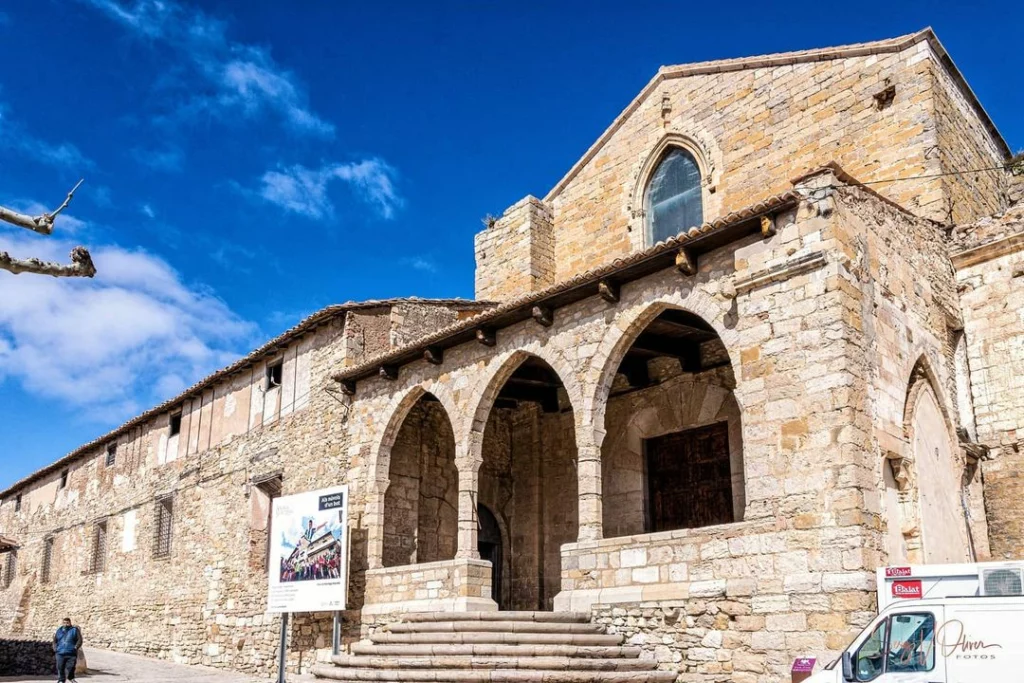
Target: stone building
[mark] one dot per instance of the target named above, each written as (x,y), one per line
(760,340)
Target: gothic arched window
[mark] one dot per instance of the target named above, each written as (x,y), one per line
(672,201)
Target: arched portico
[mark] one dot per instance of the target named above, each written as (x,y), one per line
(668,421)
(522,458)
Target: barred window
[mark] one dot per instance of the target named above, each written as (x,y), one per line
(44,574)
(111,454)
(10,568)
(98,558)
(162,527)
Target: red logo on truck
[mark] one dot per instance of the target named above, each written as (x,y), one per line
(890,572)
(907,590)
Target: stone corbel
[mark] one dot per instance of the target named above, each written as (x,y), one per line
(902,470)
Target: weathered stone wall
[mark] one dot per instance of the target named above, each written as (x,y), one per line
(422,497)
(25,657)
(989,257)
(449,585)
(964,144)
(907,313)
(516,254)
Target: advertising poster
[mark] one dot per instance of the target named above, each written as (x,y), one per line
(308,559)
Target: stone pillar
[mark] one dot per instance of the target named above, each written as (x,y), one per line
(588,478)
(374,521)
(469,484)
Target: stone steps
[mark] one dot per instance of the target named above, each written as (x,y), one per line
(493,647)
(494,650)
(549,617)
(492,676)
(495,637)
(484,662)
(492,627)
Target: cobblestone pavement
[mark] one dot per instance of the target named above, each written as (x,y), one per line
(112,667)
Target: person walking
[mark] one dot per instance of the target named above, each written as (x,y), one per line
(66,642)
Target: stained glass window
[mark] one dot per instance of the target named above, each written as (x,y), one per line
(673,199)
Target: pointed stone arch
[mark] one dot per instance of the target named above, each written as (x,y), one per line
(624,332)
(929,475)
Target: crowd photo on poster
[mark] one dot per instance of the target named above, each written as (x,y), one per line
(312,550)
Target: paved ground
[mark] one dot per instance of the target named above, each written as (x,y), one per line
(113,667)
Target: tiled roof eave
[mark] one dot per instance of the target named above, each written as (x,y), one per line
(703,238)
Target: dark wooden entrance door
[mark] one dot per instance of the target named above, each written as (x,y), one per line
(689,480)
(489,544)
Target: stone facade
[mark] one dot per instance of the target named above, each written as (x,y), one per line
(846,345)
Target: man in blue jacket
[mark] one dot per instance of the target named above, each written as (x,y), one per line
(66,642)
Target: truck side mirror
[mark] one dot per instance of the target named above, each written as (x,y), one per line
(848,666)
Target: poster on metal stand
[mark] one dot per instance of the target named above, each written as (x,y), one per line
(308,567)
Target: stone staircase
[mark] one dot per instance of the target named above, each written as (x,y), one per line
(493,647)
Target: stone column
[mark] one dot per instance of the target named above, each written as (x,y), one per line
(374,520)
(588,476)
(469,484)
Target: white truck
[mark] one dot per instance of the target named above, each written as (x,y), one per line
(940,624)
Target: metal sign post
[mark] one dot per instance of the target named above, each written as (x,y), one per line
(336,635)
(281,652)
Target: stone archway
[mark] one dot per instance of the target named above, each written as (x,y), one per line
(672,452)
(930,512)
(527,476)
(420,512)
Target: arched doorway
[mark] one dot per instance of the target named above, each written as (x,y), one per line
(528,480)
(672,457)
(491,547)
(421,500)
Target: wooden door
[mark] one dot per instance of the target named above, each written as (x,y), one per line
(689,479)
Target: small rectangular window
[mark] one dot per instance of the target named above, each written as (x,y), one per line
(111,454)
(10,568)
(98,558)
(17,503)
(275,373)
(265,490)
(64,479)
(162,526)
(44,572)
(175,424)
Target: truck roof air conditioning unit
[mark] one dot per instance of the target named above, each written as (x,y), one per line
(1002,581)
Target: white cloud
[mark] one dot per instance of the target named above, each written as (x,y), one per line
(421,263)
(244,78)
(13,136)
(304,190)
(116,344)
(147,211)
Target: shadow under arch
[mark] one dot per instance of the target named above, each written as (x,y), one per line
(498,371)
(618,340)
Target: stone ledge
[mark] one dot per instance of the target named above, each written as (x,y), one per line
(437,605)
(710,532)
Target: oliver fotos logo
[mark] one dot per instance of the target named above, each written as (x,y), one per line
(954,641)
(908,590)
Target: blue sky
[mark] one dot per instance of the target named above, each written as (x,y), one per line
(249,162)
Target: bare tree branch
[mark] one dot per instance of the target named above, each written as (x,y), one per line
(81,265)
(42,223)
